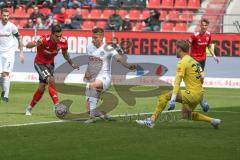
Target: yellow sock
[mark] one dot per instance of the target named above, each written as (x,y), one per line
(200,117)
(162,102)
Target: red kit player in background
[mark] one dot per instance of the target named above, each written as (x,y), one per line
(47,48)
(199,41)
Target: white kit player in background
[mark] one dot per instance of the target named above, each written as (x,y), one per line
(98,74)
(8,35)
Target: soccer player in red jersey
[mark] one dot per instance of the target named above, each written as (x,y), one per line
(199,41)
(47,48)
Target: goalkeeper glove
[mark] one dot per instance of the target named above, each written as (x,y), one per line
(171,104)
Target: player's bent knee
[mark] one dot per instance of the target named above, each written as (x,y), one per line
(164,96)
(92,92)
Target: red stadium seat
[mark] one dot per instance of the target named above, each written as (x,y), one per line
(163,15)
(138,26)
(181,27)
(180,4)
(84,13)
(101,24)
(186,16)
(45,11)
(153,4)
(134,14)
(107,13)
(167,27)
(173,15)
(122,13)
(20,13)
(95,14)
(22,23)
(167,4)
(70,12)
(29,11)
(87,25)
(145,14)
(14,21)
(194,4)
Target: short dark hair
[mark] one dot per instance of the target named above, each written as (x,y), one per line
(98,31)
(56,28)
(183,44)
(205,20)
(4,10)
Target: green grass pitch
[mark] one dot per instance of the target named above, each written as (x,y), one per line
(120,140)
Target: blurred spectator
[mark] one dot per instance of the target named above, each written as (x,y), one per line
(87,3)
(74,4)
(68,25)
(114,22)
(29,24)
(54,23)
(3,4)
(126,25)
(62,16)
(39,24)
(115,3)
(77,18)
(31,3)
(36,14)
(152,22)
(47,4)
(59,5)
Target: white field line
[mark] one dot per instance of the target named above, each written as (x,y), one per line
(122,115)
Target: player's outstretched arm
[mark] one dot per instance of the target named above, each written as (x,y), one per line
(20,45)
(34,43)
(212,53)
(125,63)
(66,56)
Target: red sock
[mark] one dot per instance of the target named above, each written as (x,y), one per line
(36,97)
(53,93)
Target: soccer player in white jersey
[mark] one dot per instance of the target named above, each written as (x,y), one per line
(98,74)
(8,35)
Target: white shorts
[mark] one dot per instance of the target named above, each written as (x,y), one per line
(106,80)
(7,61)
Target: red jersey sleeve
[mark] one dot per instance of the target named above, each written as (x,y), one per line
(63,44)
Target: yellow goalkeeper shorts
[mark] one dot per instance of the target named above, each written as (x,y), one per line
(191,98)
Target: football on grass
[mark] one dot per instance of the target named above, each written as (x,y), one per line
(60,110)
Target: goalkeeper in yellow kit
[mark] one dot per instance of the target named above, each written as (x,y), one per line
(189,71)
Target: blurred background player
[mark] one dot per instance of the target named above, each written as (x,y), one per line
(98,74)
(199,42)
(8,35)
(189,71)
(47,48)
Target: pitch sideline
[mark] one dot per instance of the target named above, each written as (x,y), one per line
(122,115)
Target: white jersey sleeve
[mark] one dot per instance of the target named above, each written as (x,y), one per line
(7,39)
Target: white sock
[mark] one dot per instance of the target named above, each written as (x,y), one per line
(93,103)
(6,86)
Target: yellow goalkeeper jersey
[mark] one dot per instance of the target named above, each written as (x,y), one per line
(189,71)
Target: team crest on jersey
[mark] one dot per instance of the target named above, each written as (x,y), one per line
(102,53)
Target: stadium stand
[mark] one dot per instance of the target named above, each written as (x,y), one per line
(153,4)
(168,4)
(181,27)
(175,15)
(167,27)
(107,13)
(180,4)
